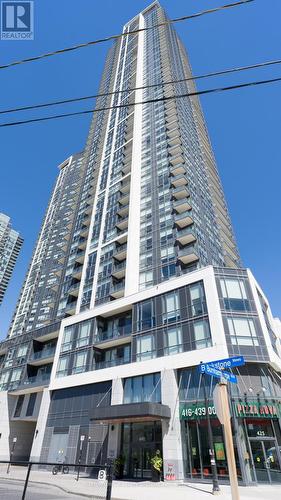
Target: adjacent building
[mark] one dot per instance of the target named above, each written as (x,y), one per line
(135,279)
(10,245)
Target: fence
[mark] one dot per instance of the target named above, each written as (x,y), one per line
(99,476)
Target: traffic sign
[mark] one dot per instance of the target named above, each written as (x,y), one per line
(211,370)
(222,364)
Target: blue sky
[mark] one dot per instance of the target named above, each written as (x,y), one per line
(244,125)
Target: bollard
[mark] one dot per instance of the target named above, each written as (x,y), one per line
(109,483)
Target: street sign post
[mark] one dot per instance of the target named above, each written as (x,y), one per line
(221,403)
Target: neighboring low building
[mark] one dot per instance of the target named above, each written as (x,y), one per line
(10,245)
(136,279)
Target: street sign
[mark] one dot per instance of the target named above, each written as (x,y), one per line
(222,364)
(210,370)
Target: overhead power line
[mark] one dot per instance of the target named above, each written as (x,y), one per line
(149,101)
(171,82)
(121,35)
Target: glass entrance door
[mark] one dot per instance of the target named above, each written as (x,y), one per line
(266,458)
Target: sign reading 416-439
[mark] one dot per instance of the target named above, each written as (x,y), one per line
(193,411)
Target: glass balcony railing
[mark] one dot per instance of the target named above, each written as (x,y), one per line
(44,378)
(45,353)
(113,362)
(115,333)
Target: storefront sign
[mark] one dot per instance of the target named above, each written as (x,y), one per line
(257,409)
(196,410)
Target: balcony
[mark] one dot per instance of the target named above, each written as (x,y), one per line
(120,252)
(182,205)
(188,255)
(183,219)
(123,210)
(111,338)
(125,187)
(31,384)
(108,364)
(186,236)
(117,290)
(124,200)
(122,223)
(126,168)
(74,289)
(70,308)
(177,169)
(77,272)
(80,255)
(179,180)
(175,160)
(82,243)
(180,192)
(175,149)
(122,236)
(119,270)
(42,357)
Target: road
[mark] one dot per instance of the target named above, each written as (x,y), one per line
(12,490)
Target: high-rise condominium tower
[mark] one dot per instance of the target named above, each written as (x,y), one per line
(10,245)
(135,279)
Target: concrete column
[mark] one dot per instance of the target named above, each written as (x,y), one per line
(171,430)
(114,430)
(41,426)
(5,426)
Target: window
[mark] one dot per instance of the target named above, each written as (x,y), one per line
(22,350)
(67,338)
(4,378)
(197,297)
(202,334)
(171,309)
(16,374)
(80,361)
(19,406)
(83,334)
(143,388)
(63,366)
(173,340)
(145,347)
(31,404)
(145,315)
(234,295)
(242,331)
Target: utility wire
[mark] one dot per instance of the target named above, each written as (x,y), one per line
(121,35)
(149,101)
(94,96)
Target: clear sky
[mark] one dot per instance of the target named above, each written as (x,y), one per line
(244,125)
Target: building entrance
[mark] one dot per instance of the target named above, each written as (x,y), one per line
(266,460)
(140,440)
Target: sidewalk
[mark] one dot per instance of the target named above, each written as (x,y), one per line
(122,490)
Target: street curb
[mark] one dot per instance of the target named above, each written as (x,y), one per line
(57,486)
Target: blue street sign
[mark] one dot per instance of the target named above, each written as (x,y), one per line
(211,370)
(222,364)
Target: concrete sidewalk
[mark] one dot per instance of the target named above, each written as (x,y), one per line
(125,490)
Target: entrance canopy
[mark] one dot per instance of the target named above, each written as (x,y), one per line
(132,412)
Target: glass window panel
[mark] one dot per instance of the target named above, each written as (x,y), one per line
(16,374)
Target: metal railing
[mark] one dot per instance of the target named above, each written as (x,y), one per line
(101,475)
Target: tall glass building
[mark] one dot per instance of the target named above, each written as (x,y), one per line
(136,279)
(10,245)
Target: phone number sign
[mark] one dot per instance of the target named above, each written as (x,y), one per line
(196,410)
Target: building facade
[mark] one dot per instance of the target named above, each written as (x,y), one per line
(10,245)
(135,280)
